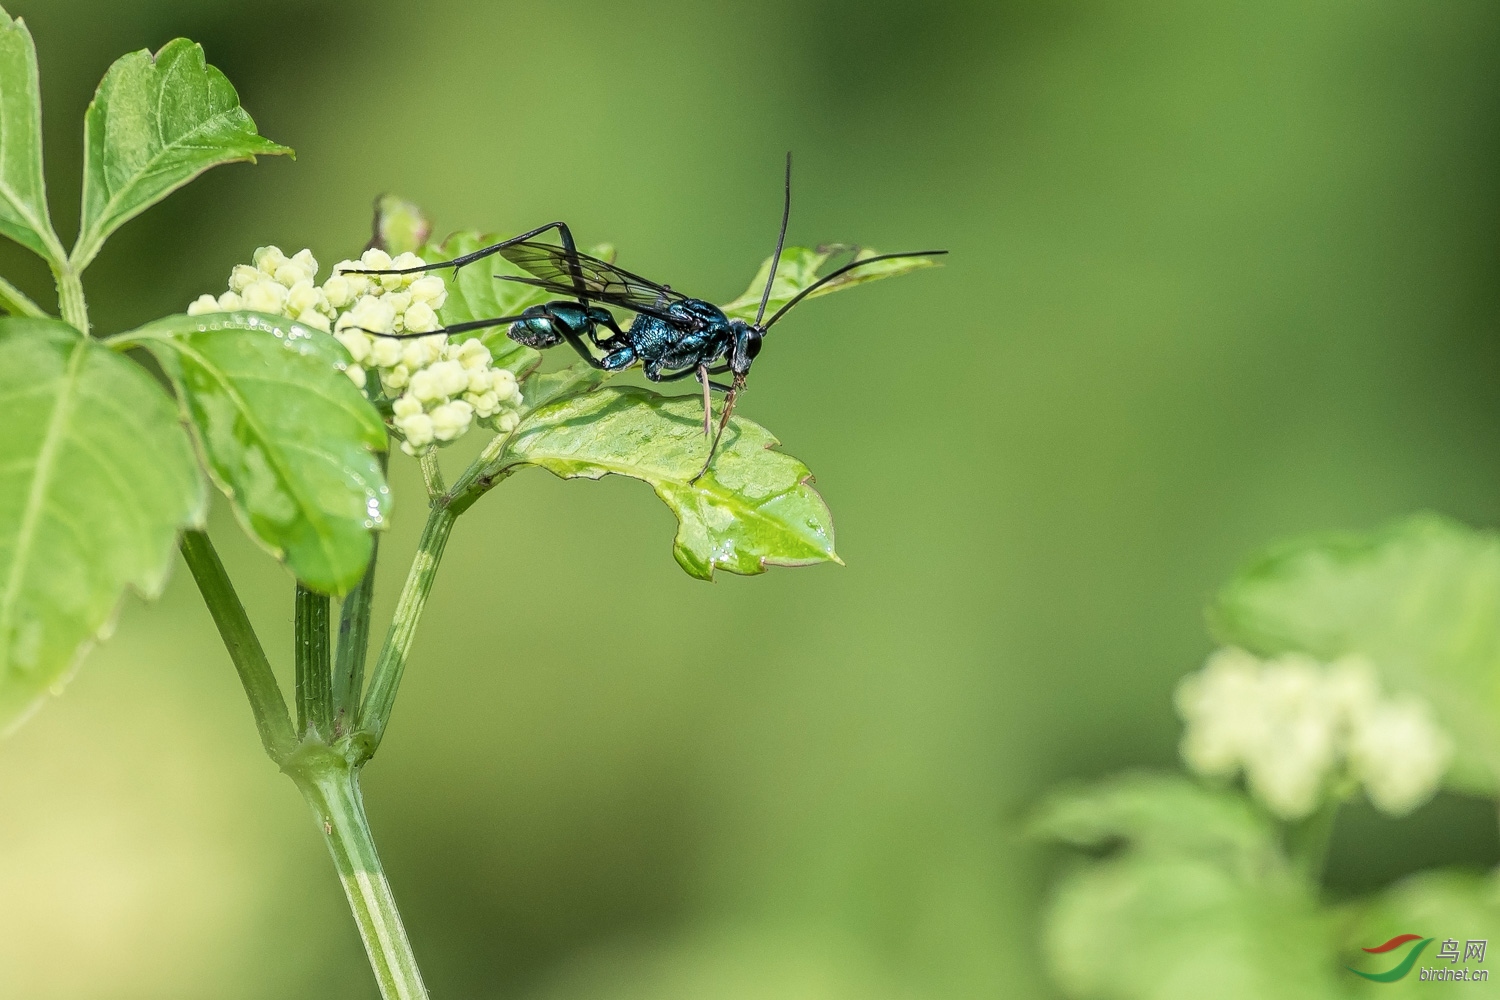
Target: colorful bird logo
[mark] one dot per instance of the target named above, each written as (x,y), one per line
(1401,968)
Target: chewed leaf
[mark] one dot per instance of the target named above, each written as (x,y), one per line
(96,477)
(284,433)
(23,194)
(156,123)
(800,267)
(754,509)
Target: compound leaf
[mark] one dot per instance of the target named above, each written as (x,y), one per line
(800,267)
(96,478)
(284,433)
(154,125)
(1420,599)
(23,194)
(754,508)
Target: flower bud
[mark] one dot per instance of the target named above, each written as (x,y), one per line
(203,304)
(356,343)
(265,296)
(395,378)
(314,319)
(472,354)
(373,314)
(375,259)
(305,260)
(385,351)
(269,259)
(421,351)
(404,262)
(420,318)
(356,375)
(406,406)
(485,404)
(302,296)
(230,302)
(289,274)
(418,429)
(243,276)
(339,290)
(429,289)
(425,386)
(450,420)
(506,422)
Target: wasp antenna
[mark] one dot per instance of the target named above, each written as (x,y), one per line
(786,214)
(845,270)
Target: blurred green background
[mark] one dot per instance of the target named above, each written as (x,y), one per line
(1220,273)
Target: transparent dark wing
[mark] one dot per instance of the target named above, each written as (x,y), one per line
(601,280)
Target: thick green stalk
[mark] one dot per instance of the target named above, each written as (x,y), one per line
(70,296)
(266,700)
(354,645)
(314,676)
(330,783)
(385,679)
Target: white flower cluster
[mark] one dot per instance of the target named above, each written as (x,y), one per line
(438,389)
(1295,726)
(274,283)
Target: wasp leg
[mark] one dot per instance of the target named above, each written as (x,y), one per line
(708,403)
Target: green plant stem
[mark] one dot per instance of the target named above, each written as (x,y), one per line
(314,676)
(16,302)
(1308,840)
(330,783)
(432,474)
(353,646)
(70,296)
(385,679)
(266,701)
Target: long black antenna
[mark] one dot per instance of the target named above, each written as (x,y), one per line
(786,214)
(844,270)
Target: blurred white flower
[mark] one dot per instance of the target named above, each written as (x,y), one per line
(1294,725)
(1400,754)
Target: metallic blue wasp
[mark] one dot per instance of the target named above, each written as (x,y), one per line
(672,336)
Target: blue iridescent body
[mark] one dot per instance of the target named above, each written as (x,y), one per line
(674,341)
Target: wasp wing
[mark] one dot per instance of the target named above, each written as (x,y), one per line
(562,274)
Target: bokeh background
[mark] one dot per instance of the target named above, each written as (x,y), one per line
(1221,273)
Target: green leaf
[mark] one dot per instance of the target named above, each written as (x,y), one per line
(1463,906)
(754,509)
(153,126)
(23,194)
(564,383)
(474,293)
(284,432)
(1161,814)
(1194,903)
(1420,599)
(96,478)
(800,267)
